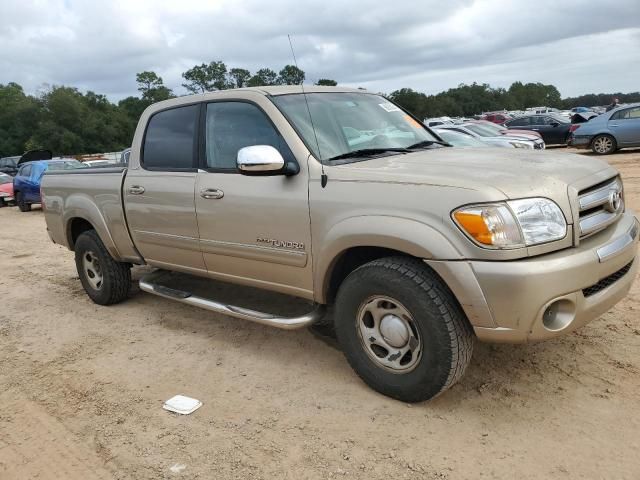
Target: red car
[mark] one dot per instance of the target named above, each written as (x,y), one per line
(498,118)
(506,131)
(6,189)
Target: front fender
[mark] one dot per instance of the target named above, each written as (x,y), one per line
(396,233)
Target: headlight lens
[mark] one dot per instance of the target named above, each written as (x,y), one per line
(521,145)
(512,224)
(540,219)
(4,194)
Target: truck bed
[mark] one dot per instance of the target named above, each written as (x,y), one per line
(95,195)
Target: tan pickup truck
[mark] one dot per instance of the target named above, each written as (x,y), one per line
(342,198)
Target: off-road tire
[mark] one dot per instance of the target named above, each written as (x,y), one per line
(446,335)
(22,204)
(603,138)
(116,276)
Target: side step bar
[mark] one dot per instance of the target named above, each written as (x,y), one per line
(285,323)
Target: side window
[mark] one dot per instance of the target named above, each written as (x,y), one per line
(170,139)
(627,114)
(26,171)
(520,122)
(231,126)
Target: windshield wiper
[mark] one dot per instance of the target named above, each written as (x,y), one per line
(365,152)
(428,143)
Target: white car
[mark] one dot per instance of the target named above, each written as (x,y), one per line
(483,134)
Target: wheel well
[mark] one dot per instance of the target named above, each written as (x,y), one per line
(351,259)
(78,226)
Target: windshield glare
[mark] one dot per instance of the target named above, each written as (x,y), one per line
(345,122)
(481,130)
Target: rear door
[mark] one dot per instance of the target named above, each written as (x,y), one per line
(625,125)
(255,230)
(158,194)
(27,183)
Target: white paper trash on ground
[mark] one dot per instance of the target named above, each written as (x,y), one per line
(182,405)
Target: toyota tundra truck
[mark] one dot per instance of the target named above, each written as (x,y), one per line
(342,198)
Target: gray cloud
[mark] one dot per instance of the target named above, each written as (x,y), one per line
(431,45)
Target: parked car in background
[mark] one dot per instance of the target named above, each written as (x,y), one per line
(6,190)
(124,156)
(606,133)
(484,134)
(500,130)
(580,110)
(462,140)
(9,165)
(499,117)
(97,163)
(553,128)
(26,183)
(434,122)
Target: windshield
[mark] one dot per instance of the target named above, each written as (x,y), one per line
(5,179)
(459,139)
(492,126)
(481,130)
(347,122)
(66,165)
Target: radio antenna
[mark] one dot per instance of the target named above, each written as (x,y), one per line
(323,177)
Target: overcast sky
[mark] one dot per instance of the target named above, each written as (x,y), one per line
(581,46)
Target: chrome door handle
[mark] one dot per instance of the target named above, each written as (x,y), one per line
(136,190)
(615,125)
(211,193)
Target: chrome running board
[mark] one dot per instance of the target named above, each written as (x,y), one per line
(285,323)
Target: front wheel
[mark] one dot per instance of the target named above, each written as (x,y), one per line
(402,330)
(603,145)
(22,203)
(105,280)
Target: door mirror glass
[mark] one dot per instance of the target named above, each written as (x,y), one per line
(260,160)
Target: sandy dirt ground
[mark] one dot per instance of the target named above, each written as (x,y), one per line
(82,388)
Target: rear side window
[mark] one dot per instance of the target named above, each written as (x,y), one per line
(169,142)
(520,122)
(628,114)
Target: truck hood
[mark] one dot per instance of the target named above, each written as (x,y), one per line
(512,172)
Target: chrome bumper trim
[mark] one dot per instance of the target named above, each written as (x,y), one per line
(615,248)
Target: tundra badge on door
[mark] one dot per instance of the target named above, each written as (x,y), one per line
(281,243)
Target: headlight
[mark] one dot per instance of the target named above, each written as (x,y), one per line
(521,144)
(512,224)
(4,194)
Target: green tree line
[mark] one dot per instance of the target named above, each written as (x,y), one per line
(68,121)
(467,100)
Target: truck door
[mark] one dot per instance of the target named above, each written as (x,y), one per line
(158,193)
(254,230)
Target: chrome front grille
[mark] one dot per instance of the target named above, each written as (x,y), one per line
(600,206)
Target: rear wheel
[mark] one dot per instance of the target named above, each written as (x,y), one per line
(105,280)
(402,330)
(603,145)
(22,203)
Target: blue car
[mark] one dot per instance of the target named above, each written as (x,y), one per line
(26,184)
(610,131)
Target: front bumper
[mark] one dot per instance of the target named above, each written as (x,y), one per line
(550,295)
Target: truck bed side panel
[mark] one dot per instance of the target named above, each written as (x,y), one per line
(94,195)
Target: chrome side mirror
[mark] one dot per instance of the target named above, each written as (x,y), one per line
(260,160)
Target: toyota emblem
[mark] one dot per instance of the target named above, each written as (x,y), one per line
(615,200)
